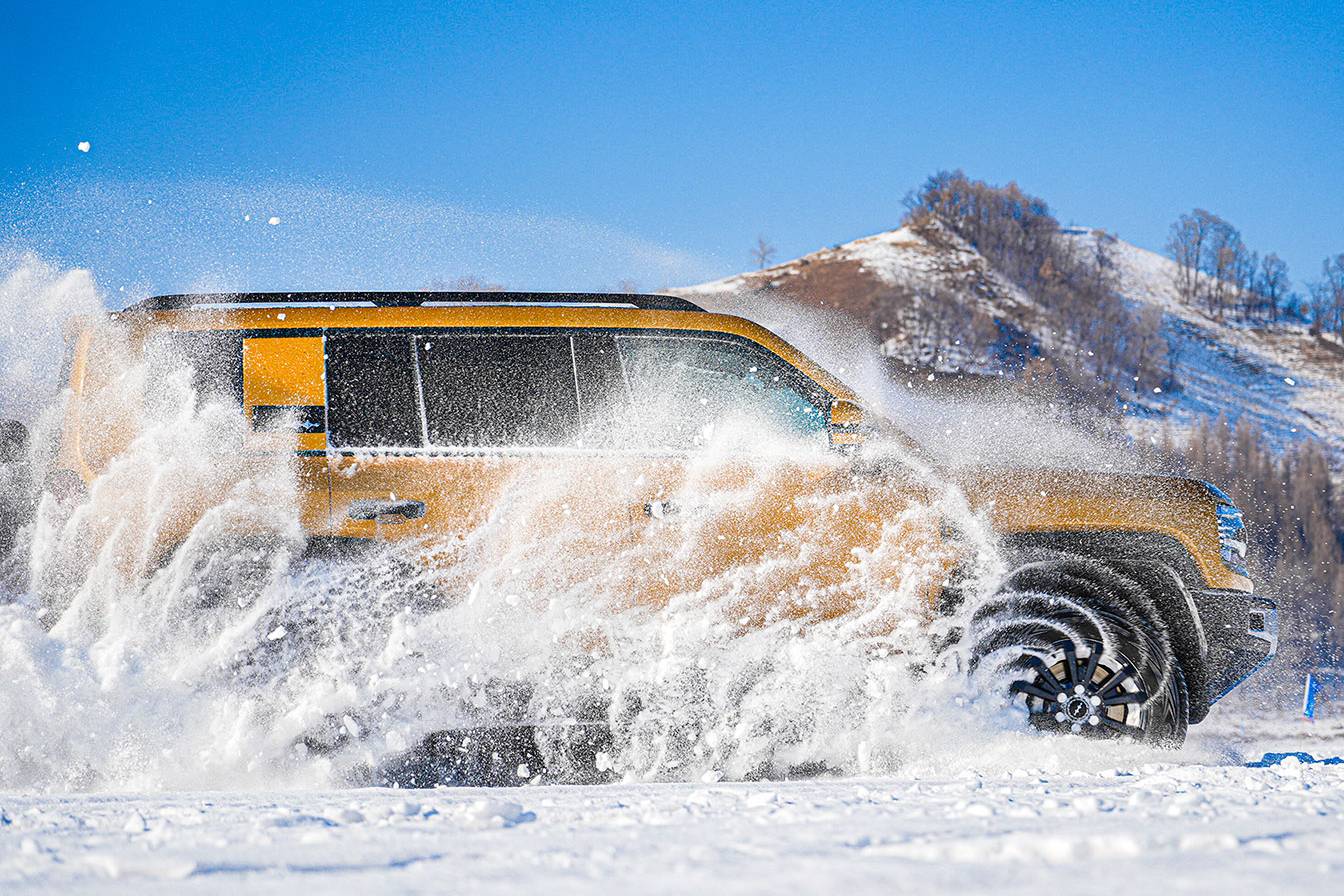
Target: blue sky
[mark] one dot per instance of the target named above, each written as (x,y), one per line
(553,145)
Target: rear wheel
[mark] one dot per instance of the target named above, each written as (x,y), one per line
(1084,651)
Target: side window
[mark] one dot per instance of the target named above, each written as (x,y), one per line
(371,393)
(499,390)
(603,400)
(216,361)
(683,388)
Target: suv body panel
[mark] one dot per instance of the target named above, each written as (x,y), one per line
(630,494)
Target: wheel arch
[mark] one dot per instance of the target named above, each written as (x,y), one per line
(1158,564)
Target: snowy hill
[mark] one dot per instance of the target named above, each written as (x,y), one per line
(1289,381)
(916,292)
(924,296)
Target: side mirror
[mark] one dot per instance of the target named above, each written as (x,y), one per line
(846,424)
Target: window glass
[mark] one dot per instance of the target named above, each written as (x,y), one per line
(215,359)
(603,402)
(499,390)
(371,394)
(684,391)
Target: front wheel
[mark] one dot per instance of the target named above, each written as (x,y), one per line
(1085,652)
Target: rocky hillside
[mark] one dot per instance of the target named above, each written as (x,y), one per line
(937,305)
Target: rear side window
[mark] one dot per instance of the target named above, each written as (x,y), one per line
(499,390)
(372,400)
(683,389)
(215,359)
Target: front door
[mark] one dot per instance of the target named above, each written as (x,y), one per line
(735,452)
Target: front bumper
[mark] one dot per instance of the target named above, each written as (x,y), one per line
(1243,635)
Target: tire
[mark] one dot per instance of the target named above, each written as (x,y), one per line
(474,757)
(1084,649)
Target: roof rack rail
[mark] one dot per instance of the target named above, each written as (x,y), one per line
(227,301)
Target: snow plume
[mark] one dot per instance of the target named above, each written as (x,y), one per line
(983,424)
(172,628)
(222,235)
(235,663)
(36,300)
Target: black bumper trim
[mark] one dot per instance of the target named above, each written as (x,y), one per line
(1243,637)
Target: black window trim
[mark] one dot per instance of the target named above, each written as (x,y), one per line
(810,389)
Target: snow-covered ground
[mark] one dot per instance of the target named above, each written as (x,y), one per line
(1194,821)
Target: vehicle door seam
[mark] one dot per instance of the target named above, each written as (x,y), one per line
(419,392)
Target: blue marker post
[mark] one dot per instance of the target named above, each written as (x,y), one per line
(1309,697)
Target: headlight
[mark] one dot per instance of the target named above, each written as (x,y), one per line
(1231,531)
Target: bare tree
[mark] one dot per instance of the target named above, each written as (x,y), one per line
(1216,269)
(1272,285)
(1075,284)
(1223,263)
(1186,247)
(1327,298)
(1146,345)
(763,253)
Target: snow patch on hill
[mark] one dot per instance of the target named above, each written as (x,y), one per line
(1284,379)
(897,281)
(1287,381)
(901,257)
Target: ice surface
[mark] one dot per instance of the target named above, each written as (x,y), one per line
(1162,823)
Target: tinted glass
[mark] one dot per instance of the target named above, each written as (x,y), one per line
(684,388)
(371,394)
(499,390)
(603,403)
(216,361)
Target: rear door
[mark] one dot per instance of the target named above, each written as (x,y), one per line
(431,432)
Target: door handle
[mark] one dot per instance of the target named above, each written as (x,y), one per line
(406,508)
(661,509)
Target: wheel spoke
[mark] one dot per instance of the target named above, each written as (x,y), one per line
(1047,677)
(1114,680)
(1094,657)
(1023,687)
(1071,662)
(1132,697)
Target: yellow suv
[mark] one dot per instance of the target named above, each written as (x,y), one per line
(1123,607)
